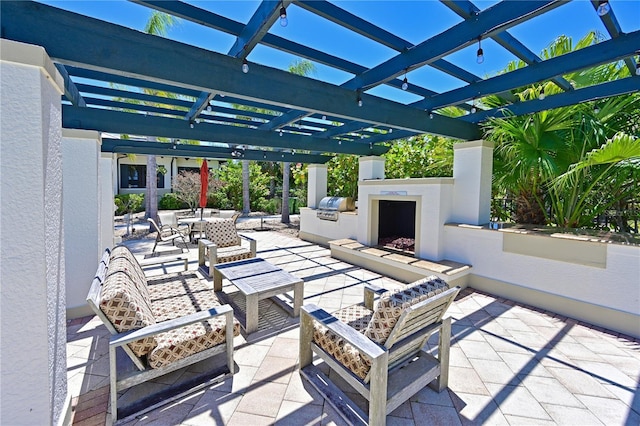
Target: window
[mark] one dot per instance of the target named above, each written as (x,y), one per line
(189,169)
(135,176)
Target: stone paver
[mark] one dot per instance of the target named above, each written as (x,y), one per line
(510,364)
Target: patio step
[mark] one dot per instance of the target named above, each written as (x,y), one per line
(397,265)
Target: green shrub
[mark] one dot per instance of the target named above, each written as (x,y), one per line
(129,203)
(272,206)
(170,201)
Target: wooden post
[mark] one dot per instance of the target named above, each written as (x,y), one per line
(378,390)
(443,354)
(306,336)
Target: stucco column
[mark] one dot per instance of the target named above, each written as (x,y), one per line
(32,260)
(316,184)
(81,186)
(107,204)
(371,167)
(472,170)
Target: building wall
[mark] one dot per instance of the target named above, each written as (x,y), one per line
(171,164)
(32,258)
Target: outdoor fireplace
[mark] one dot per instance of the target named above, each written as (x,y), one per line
(396,224)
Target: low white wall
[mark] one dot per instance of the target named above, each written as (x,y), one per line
(607,295)
(322,231)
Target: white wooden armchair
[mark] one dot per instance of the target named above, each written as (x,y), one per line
(379,352)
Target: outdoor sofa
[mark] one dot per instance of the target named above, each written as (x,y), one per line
(163,323)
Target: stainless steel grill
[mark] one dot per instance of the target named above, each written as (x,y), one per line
(329,208)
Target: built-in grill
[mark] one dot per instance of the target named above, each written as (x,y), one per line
(329,208)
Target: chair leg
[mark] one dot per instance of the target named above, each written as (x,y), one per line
(443,354)
(306,335)
(154,246)
(378,391)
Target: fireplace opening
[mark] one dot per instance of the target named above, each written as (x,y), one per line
(397,224)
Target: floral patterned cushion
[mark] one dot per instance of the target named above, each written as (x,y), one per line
(131,301)
(122,260)
(358,318)
(392,303)
(230,254)
(222,232)
(125,307)
(177,295)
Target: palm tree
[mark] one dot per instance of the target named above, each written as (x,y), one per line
(533,151)
(298,67)
(158,24)
(305,68)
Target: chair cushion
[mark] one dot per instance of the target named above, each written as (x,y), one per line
(177,295)
(357,317)
(222,232)
(231,254)
(122,260)
(392,303)
(126,308)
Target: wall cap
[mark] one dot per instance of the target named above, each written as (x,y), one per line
(29,54)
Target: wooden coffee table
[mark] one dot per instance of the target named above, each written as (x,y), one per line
(258,279)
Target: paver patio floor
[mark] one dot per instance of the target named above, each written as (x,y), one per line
(510,364)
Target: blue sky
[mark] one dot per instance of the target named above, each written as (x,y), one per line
(415,21)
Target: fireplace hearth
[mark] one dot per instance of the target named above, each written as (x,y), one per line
(400,243)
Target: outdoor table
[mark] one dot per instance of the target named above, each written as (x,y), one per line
(257,279)
(196,224)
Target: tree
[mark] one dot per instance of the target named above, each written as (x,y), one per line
(535,152)
(187,185)
(305,68)
(158,24)
(419,156)
(342,174)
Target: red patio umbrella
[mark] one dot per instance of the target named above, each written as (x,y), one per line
(204,182)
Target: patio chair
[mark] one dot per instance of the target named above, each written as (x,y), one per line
(169,219)
(222,243)
(167,234)
(379,352)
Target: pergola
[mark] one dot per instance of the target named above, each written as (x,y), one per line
(123,81)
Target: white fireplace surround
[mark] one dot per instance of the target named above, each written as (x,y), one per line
(433,198)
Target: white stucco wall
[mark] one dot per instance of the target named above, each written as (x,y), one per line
(80,157)
(472,171)
(322,231)
(316,184)
(107,204)
(32,266)
(611,291)
(433,197)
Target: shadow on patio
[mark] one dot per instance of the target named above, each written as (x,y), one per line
(510,363)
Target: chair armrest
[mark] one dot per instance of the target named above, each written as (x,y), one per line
(163,260)
(206,243)
(122,339)
(252,244)
(370,291)
(365,345)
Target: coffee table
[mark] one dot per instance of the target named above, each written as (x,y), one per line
(257,279)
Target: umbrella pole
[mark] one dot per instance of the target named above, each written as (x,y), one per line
(201,212)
